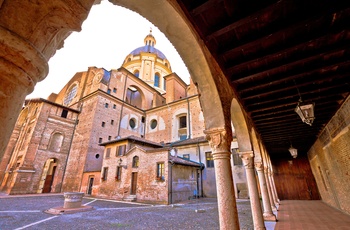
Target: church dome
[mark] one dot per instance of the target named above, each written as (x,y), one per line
(149,64)
(148,49)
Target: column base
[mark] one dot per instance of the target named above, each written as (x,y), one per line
(274,208)
(269,217)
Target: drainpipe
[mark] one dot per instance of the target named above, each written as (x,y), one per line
(121,110)
(201,168)
(171,182)
(189,120)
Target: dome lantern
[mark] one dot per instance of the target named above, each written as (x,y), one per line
(149,39)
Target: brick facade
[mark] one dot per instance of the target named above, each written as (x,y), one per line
(99,106)
(329,159)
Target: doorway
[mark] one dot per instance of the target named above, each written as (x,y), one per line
(133,183)
(47,176)
(91,184)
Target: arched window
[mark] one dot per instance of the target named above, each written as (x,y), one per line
(70,94)
(156,80)
(135,162)
(56,142)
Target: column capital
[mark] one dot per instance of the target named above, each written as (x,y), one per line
(259,166)
(219,140)
(266,169)
(248,159)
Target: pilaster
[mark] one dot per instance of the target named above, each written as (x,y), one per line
(220,144)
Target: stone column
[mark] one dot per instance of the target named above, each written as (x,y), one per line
(220,145)
(21,66)
(269,189)
(268,214)
(248,162)
(273,188)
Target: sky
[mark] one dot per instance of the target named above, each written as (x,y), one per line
(108,35)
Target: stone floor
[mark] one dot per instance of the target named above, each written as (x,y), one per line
(310,215)
(28,212)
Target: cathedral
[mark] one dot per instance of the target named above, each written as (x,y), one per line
(133,133)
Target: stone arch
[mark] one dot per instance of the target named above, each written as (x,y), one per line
(241,127)
(22,116)
(56,142)
(256,146)
(47,175)
(136,97)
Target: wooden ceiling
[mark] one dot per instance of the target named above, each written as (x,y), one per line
(274,52)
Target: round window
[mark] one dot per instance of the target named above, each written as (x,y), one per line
(97,156)
(132,123)
(153,124)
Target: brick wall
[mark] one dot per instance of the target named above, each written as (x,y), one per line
(329,159)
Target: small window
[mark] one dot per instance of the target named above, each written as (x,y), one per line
(209,160)
(109,138)
(156,80)
(183,137)
(160,171)
(106,105)
(118,175)
(120,151)
(108,153)
(97,156)
(64,113)
(186,156)
(100,140)
(182,122)
(104,173)
(135,162)
(114,90)
(109,91)
(114,106)
(112,122)
(132,123)
(103,124)
(154,124)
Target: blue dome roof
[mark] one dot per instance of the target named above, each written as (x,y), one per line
(148,49)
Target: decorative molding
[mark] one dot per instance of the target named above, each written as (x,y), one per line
(259,166)
(248,159)
(218,139)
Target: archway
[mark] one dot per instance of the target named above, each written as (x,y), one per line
(47,176)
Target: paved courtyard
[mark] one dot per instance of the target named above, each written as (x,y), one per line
(28,212)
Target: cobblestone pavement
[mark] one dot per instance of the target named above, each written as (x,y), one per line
(27,212)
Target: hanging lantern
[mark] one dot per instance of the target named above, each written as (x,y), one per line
(293,151)
(305,112)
